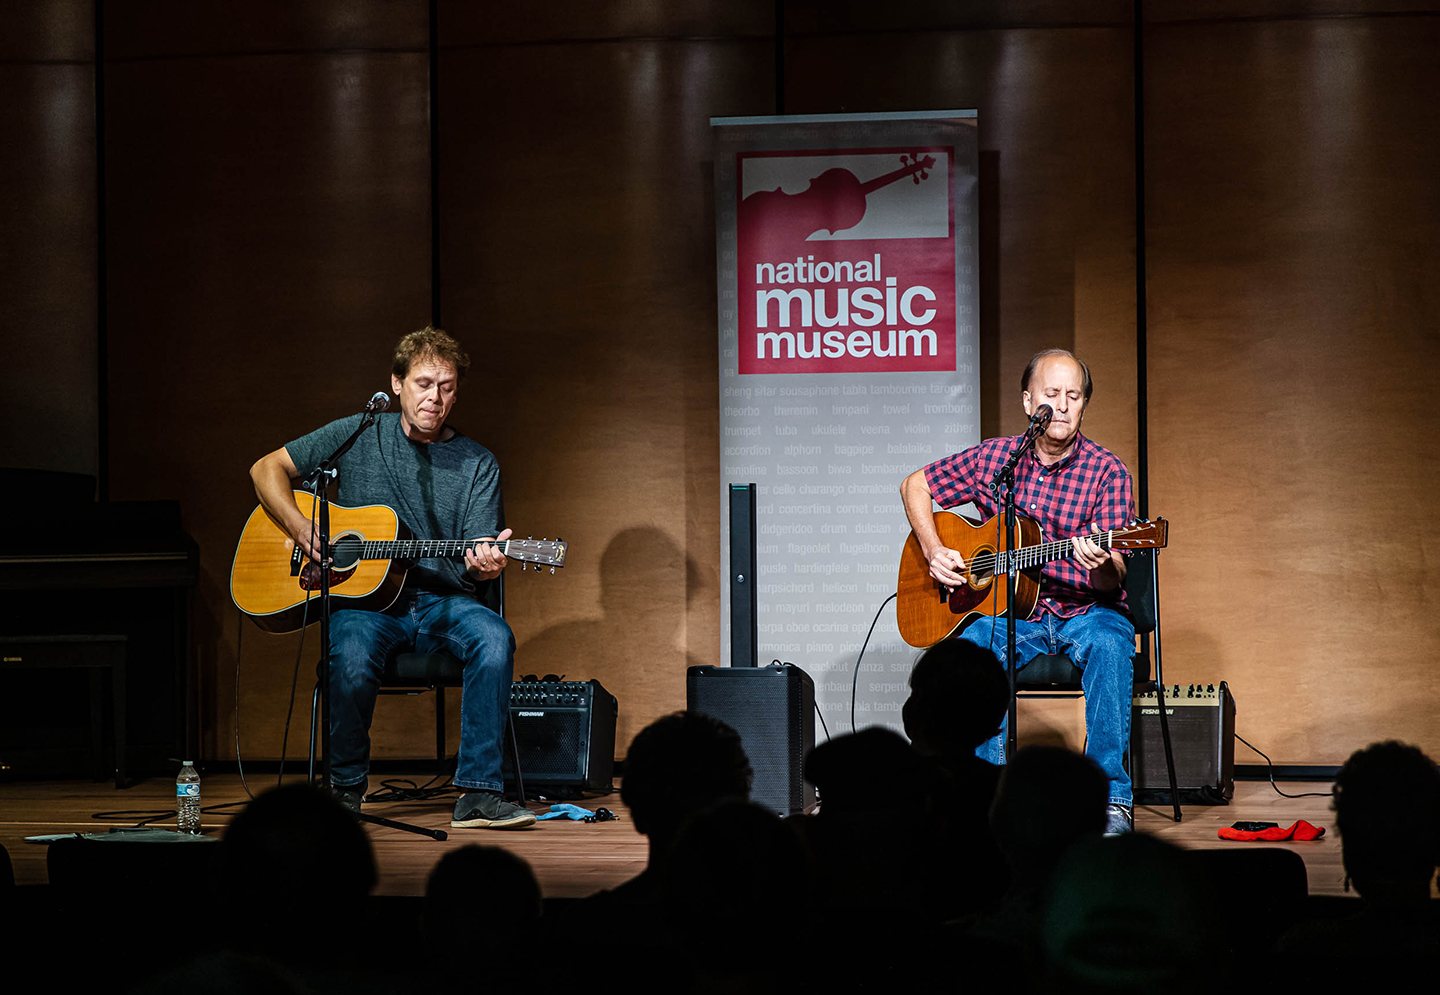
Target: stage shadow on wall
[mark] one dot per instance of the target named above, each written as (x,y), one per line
(636,647)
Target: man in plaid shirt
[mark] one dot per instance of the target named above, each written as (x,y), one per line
(1071,487)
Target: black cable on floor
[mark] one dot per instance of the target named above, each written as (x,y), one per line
(1271,767)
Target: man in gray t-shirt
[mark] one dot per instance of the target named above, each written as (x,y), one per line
(442,485)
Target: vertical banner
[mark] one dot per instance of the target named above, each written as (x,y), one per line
(846,250)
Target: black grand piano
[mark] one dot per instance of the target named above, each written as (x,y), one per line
(73,570)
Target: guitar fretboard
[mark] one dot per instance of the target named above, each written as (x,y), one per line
(530,550)
(1028,557)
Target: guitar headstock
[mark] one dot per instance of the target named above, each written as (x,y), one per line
(1142,535)
(541,552)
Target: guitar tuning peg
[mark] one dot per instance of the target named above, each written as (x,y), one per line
(552,571)
(530,537)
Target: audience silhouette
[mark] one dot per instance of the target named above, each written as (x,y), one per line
(1049,799)
(1387,811)
(1129,913)
(917,866)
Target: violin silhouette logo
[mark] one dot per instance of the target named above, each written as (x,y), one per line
(835,201)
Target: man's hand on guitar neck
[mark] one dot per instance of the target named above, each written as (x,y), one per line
(485,561)
(1107,569)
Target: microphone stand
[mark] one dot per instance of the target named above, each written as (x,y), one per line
(1002,485)
(316,482)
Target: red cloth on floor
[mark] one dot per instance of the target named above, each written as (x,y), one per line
(1301,832)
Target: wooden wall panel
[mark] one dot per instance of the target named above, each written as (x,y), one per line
(577,259)
(48,302)
(1055,111)
(269,240)
(1292,225)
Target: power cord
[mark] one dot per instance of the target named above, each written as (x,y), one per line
(402,789)
(818,714)
(239,760)
(855,678)
(1271,767)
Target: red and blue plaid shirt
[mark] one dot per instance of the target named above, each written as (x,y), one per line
(1088,491)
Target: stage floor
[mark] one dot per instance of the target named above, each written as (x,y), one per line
(573,859)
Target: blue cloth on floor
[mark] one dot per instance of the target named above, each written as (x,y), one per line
(566,810)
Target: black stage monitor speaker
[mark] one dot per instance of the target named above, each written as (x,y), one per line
(1202,734)
(744,602)
(773,710)
(565,735)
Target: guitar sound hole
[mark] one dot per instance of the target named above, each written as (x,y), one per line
(984,558)
(345,551)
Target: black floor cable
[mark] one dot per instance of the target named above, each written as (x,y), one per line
(1271,767)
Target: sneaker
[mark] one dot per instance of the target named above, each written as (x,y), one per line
(487,810)
(1119,819)
(349,796)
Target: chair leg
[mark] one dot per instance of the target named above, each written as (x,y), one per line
(1160,688)
(440,725)
(1169,754)
(117,703)
(314,726)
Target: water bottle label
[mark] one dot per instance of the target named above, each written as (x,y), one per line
(187,791)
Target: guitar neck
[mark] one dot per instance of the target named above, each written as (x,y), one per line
(420,549)
(1040,554)
(547,551)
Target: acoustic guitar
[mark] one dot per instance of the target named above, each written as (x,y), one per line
(928,612)
(370,552)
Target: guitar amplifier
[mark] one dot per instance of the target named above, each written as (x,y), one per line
(773,710)
(1202,736)
(564,735)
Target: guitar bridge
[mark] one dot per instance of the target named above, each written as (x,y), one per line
(296,559)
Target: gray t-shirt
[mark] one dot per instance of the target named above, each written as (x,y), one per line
(440,490)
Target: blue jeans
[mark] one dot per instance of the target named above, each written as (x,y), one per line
(360,644)
(1101,642)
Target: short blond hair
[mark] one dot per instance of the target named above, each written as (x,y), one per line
(429,343)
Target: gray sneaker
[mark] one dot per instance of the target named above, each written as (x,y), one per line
(487,810)
(1119,819)
(349,796)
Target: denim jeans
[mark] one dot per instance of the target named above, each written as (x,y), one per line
(1101,643)
(360,644)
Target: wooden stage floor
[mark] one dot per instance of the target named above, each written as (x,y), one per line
(573,859)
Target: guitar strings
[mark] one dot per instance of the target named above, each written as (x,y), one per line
(1054,549)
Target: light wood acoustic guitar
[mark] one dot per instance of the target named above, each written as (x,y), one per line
(371,553)
(928,612)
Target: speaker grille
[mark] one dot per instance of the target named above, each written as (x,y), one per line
(1202,735)
(773,710)
(564,734)
(551,743)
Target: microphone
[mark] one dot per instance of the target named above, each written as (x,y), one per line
(379,401)
(1040,420)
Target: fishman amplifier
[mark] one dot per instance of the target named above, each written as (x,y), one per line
(1202,735)
(564,734)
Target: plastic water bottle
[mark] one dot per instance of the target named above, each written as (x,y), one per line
(187,799)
